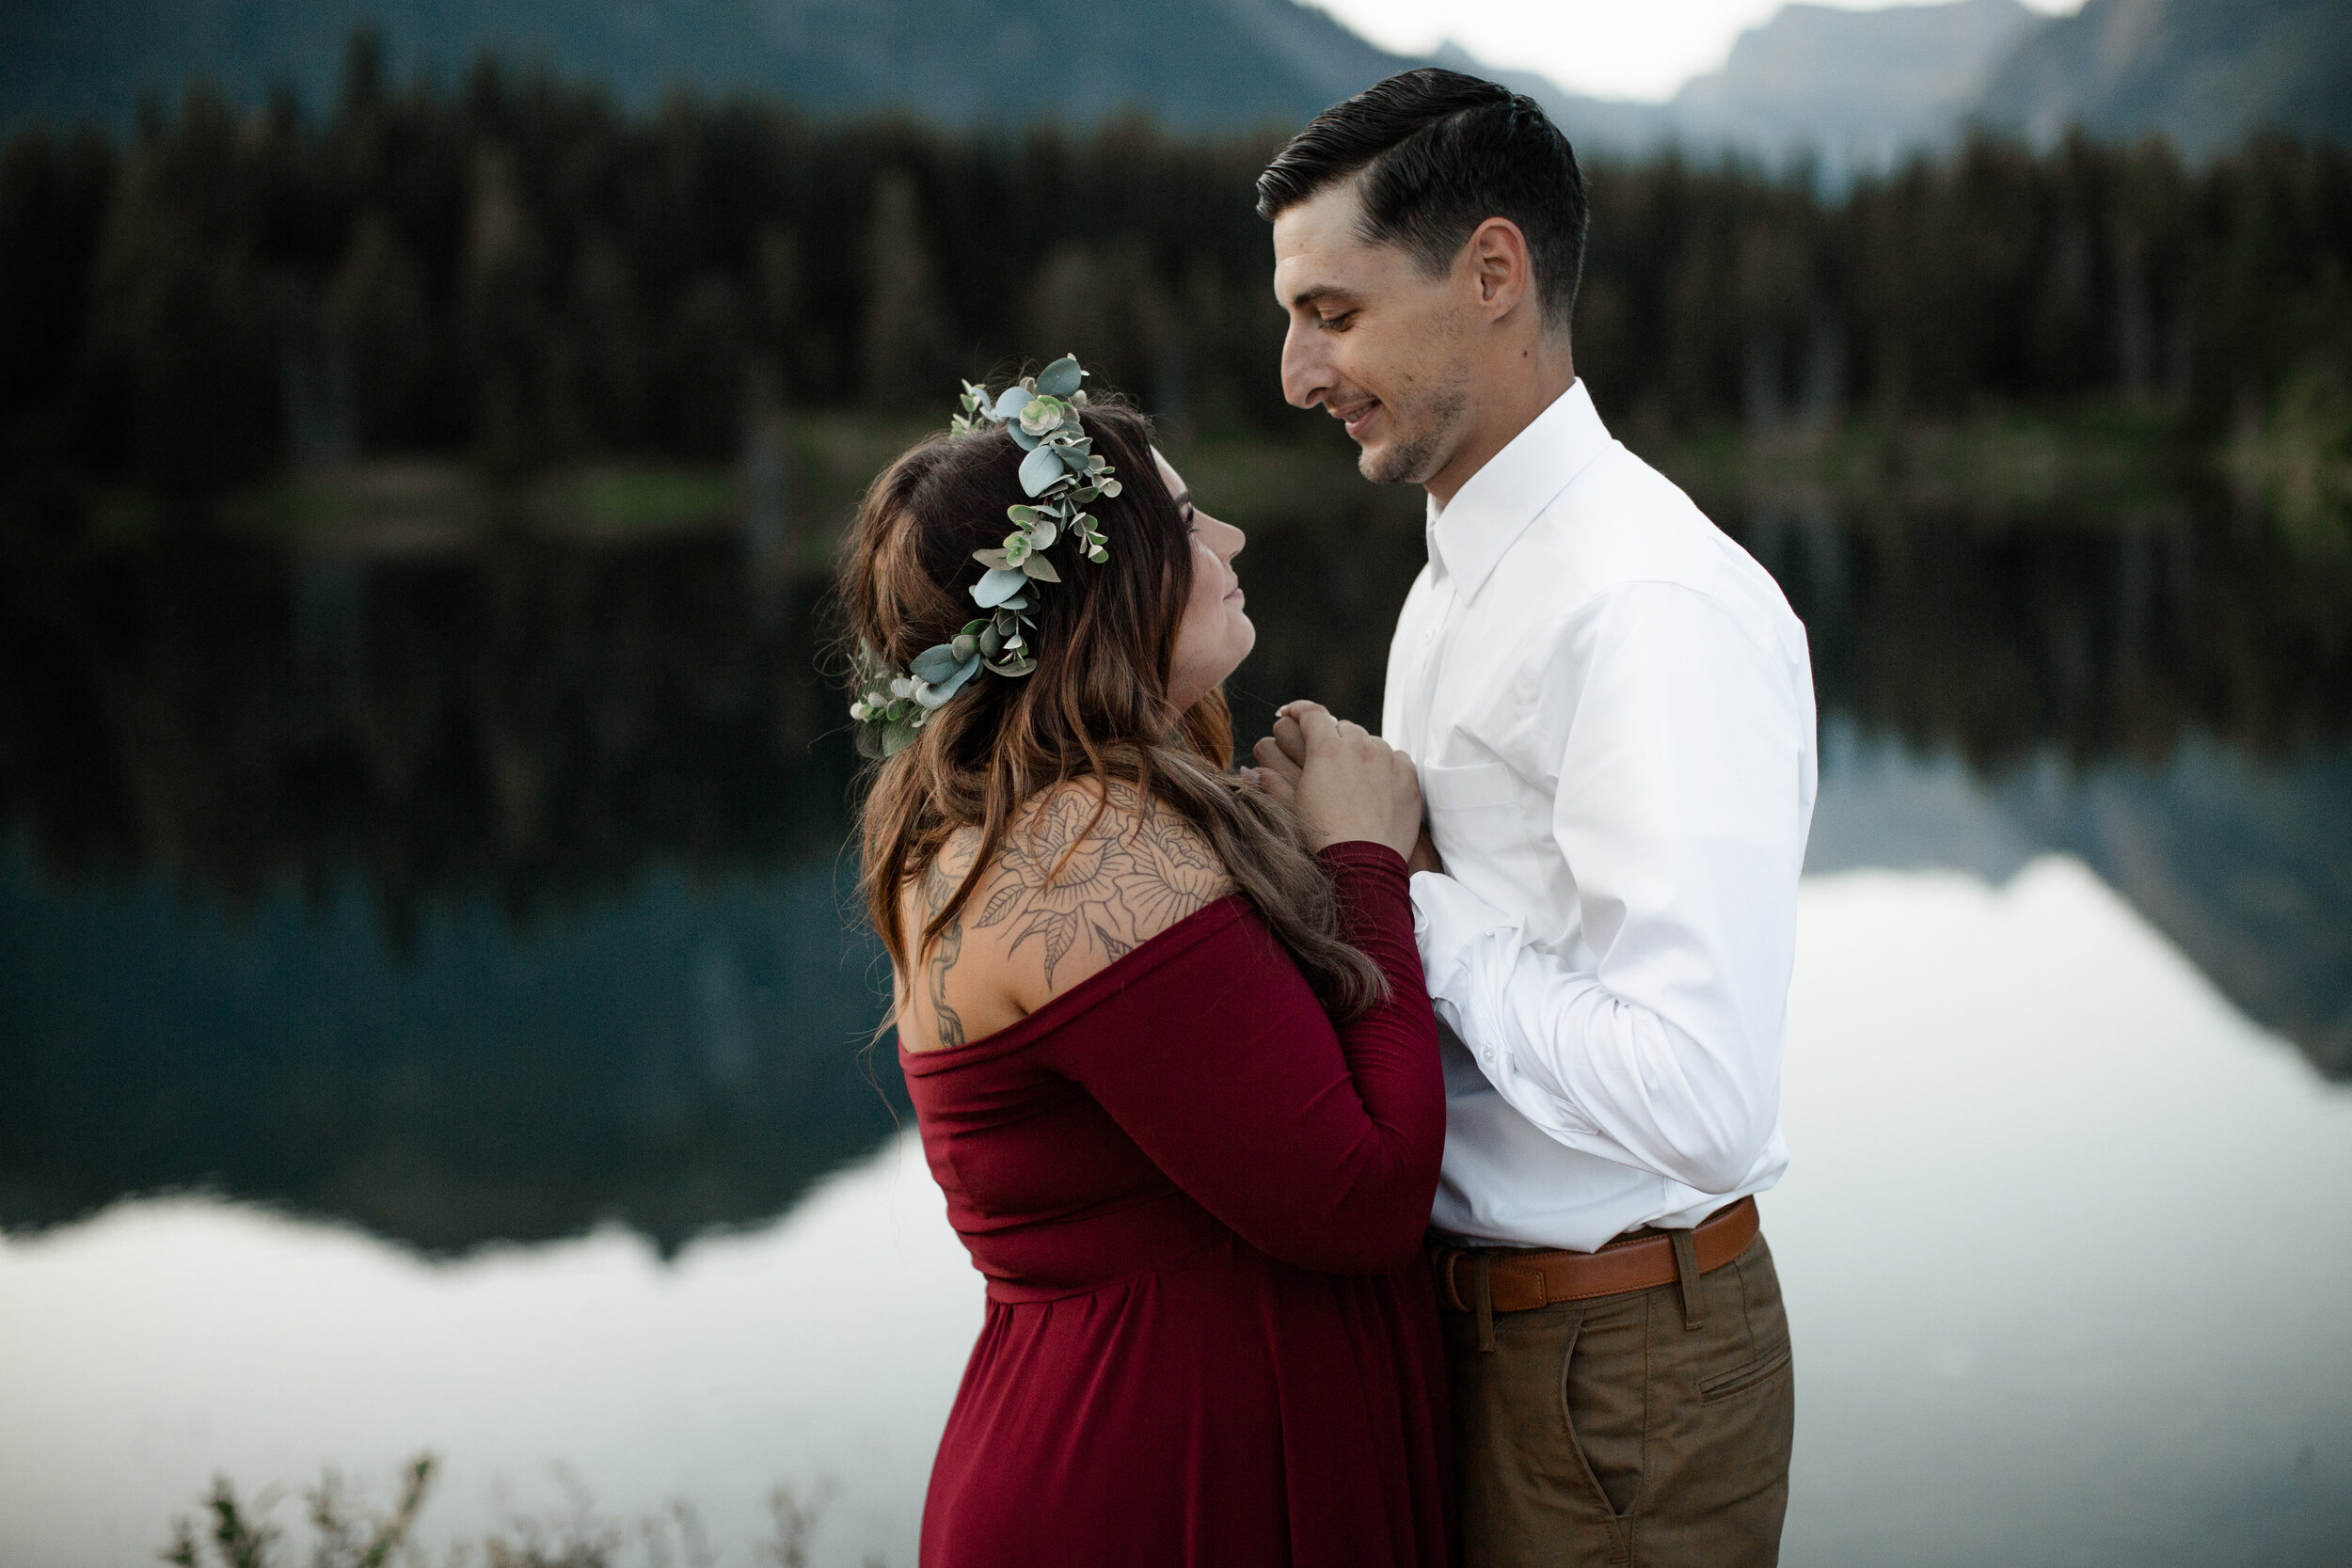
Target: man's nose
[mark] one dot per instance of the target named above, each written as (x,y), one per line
(1305,376)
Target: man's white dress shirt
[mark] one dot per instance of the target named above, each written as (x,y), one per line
(1610,707)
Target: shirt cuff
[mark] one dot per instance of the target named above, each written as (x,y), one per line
(1448,919)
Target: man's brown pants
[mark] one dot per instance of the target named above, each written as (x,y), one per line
(1628,1430)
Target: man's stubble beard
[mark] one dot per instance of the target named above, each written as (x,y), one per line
(1417,454)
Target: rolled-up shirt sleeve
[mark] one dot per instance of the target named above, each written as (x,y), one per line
(1681,748)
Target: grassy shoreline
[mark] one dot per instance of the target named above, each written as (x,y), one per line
(2110,464)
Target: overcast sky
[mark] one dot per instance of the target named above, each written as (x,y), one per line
(1612,48)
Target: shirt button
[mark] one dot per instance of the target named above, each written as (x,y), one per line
(1490,1056)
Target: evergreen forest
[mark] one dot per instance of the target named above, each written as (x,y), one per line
(520,275)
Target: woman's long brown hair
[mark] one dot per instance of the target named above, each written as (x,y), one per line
(1097,705)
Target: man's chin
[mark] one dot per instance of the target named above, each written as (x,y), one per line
(1391,463)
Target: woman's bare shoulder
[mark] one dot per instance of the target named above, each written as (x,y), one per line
(1082,876)
(1088,876)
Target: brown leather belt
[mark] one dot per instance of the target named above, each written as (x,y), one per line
(1520,1280)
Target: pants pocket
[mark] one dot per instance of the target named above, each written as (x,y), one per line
(1604,1403)
(1739,1380)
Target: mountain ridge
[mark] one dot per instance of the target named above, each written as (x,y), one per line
(1852,90)
(2207,73)
(1195,64)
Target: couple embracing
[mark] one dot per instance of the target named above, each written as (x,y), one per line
(1360,1146)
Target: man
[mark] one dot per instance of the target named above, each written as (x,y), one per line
(1610,707)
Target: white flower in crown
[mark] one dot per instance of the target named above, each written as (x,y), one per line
(1060,475)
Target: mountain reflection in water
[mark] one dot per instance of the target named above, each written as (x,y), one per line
(487,894)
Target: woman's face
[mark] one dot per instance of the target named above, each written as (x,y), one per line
(1215,635)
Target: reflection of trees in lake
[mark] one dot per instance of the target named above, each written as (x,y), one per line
(2001,643)
(468,897)
(485,893)
(683,1055)
(534,722)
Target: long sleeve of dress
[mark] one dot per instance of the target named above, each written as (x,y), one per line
(1319,1145)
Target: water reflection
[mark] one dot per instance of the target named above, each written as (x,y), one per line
(2066,1245)
(479,891)
(480,895)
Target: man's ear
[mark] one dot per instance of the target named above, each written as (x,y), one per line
(1499,268)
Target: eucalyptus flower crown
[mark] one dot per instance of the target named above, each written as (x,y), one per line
(1060,475)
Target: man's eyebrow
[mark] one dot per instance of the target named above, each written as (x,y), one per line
(1320,293)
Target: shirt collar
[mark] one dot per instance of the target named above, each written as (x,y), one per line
(1468,538)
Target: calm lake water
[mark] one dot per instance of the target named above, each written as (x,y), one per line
(431,1019)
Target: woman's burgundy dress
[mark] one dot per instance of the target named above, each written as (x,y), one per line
(1211,1337)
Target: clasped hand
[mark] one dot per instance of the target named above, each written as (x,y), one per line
(1344,782)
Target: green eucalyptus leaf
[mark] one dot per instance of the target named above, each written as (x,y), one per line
(1013,400)
(1060,379)
(991,642)
(897,736)
(1039,469)
(965,645)
(935,695)
(1021,437)
(934,665)
(1022,516)
(1074,460)
(997,587)
(1110,488)
(1040,568)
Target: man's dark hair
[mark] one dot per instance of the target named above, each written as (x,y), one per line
(1441,153)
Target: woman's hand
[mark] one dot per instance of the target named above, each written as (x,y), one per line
(1343,781)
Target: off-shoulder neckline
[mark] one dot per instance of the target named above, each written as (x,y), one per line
(1090,992)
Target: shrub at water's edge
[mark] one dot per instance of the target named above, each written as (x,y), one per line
(341,1528)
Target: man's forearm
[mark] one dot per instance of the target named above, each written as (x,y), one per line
(1591,1068)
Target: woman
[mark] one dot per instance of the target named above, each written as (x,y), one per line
(1175,1069)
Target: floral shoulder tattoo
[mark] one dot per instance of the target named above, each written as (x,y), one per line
(1065,884)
